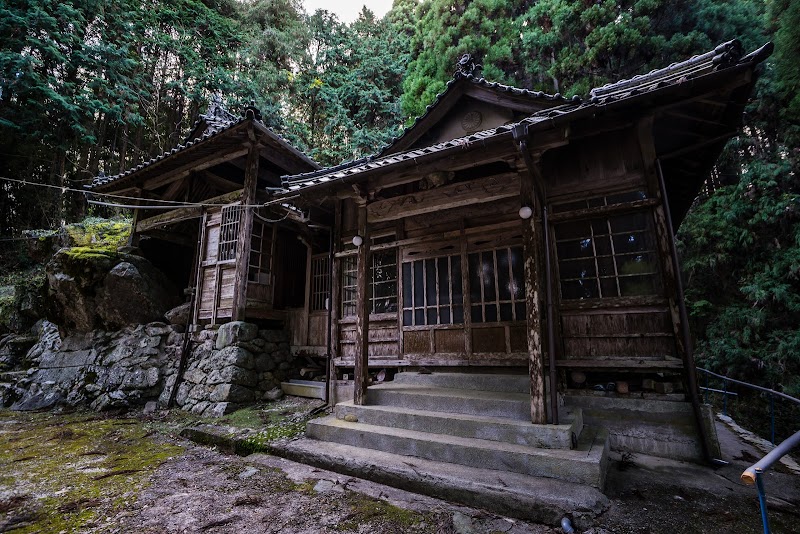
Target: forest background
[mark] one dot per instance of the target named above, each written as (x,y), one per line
(89,87)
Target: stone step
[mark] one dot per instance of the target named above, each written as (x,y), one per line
(561,436)
(506,383)
(538,499)
(583,465)
(435,399)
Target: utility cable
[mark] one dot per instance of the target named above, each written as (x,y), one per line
(166,204)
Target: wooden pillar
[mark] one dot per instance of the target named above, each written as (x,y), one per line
(245,229)
(362,309)
(532,253)
(133,239)
(665,237)
(336,279)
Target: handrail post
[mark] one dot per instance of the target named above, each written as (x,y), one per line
(762,499)
(725,397)
(772,418)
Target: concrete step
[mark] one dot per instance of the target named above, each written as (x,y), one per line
(451,400)
(506,383)
(664,426)
(584,465)
(561,436)
(542,500)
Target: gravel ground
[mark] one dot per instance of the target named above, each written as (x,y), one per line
(85,472)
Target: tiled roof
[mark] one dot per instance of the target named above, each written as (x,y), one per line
(209,133)
(217,120)
(300,181)
(725,55)
(478,81)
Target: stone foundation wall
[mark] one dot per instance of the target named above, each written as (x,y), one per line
(235,365)
(227,368)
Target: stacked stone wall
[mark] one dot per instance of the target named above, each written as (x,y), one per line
(233,366)
(227,368)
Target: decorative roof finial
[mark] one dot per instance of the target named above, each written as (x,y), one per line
(467,67)
(252,112)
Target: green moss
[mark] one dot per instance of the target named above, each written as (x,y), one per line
(94,232)
(245,418)
(368,509)
(77,467)
(91,253)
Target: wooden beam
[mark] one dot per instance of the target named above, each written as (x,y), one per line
(243,239)
(173,237)
(133,239)
(174,189)
(197,165)
(531,250)
(218,182)
(167,218)
(698,146)
(182,214)
(201,271)
(362,311)
(441,198)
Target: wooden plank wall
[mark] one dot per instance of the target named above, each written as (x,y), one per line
(628,333)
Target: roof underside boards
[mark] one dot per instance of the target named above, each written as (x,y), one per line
(221,140)
(698,103)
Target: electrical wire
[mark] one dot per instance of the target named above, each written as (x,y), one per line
(166,204)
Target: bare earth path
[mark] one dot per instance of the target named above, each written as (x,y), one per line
(85,472)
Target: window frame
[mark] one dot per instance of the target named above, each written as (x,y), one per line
(607,211)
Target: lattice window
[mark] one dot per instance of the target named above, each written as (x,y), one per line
(320,282)
(229,232)
(432,291)
(258,270)
(606,257)
(383,281)
(497,285)
(349,285)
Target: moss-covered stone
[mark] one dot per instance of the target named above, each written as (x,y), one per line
(69,471)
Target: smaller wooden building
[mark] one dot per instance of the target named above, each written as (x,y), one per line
(209,225)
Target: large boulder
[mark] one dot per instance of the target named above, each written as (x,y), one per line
(104,290)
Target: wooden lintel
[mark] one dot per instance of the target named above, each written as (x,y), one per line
(173,237)
(197,165)
(182,214)
(603,210)
(449,196)
(170,217)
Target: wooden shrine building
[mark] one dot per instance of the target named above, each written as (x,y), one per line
(221,176)
(506,231)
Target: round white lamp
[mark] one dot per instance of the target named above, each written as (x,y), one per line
(525,212)
(358,240)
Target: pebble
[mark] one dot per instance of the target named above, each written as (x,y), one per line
(247,473)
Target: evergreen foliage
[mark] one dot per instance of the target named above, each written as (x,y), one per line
(88,86)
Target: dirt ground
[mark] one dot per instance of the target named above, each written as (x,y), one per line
(85,472)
